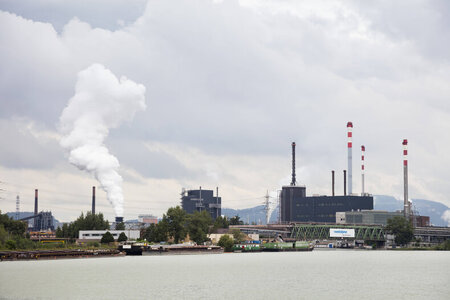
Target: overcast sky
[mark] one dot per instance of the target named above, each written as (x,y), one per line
(229,85)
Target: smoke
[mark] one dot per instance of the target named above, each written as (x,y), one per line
(101,102)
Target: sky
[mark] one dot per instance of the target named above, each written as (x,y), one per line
(228,86)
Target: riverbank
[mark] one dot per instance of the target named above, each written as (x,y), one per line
(57,254)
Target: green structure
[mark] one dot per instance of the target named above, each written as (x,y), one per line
(308,232)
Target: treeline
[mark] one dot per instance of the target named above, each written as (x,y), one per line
(12,233)
(84,222)
(176,225)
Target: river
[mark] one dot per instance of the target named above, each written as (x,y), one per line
(321,274)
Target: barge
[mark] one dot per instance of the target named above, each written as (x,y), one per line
(288,246)
(144,249)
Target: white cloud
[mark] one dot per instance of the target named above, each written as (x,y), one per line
(446,217)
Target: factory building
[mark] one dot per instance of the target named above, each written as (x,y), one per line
(295,206)
(200,200)
(43,221)
(372,217)
(377,217)
(147,219)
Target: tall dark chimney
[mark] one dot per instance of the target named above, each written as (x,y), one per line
(332,183)
(93,200)
(293,182)
(35,202)
(345,183)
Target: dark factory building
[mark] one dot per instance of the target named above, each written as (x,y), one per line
(43,221)
(199,200)
(295,206)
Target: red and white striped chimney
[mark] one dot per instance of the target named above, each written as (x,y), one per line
(363,151)
(406,208)
(349,145)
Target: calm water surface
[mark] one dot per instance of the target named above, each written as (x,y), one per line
(338,274)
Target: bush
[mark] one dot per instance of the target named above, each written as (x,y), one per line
(107,238)
(10,245)
(122,237)
(226,242)
(93,244)
(443,246)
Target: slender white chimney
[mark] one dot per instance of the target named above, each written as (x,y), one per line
(363,151)
(406,208)
(349,145)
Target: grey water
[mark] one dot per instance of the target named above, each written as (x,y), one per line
(323,274)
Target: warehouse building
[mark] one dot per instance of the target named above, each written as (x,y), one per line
(96,235)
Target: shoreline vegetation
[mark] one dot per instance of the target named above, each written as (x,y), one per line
(176,226)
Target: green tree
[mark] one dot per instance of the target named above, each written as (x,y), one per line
(176,223)
(226,242)
(13,227)
(107,238)
(236,221)
(157,232)
(83,222)
(120,226)
(198,226)
(3,234)
(238,235)
(220,222)
(401,228)
(122,237)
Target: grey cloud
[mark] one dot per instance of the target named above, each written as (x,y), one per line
(21,149)
(235,80)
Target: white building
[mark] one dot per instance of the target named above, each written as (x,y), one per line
(96,235)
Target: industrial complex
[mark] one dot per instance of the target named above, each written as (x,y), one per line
(349,218)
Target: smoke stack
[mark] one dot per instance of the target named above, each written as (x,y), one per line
(406,208)
(119,219)
(332,183)
(217,202)
(349,146)
(363,151)
(93,200)
(293,182)
(35,202)
(345,183)
(35,224)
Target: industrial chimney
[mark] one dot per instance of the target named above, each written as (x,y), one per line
(93,200)
(345,183)
(406,209)
(363,151)
(293,182)
(332,183)
(349,145)
(35,222)
(119,219)
(35,202)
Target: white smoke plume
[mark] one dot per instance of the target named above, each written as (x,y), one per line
(101,102)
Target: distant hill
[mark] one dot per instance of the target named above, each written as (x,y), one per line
(256,215)
(435,210)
